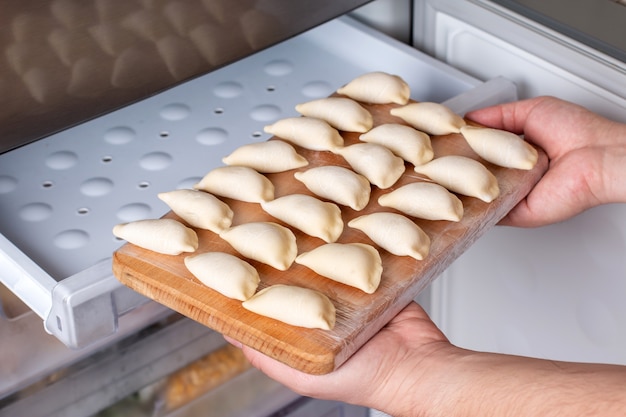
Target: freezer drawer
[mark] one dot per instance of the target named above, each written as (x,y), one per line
(61,196)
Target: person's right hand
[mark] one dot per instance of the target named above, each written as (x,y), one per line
(587,157)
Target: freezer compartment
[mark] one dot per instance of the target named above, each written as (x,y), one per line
(92,383)
(31,356)
(174,368)
(61,196)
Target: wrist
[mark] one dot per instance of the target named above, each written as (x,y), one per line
(427,383)
(613,166)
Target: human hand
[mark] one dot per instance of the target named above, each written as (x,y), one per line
(410,369)
(392,372)
(587,157)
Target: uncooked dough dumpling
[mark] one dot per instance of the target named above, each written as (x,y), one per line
(266,242)
(308,214)
(462,175)
(500,147)
(339,112)
(267,157)
(375,162)
(377,88)
(237,182)
(355,264)
(432,118)
(394,233)
(425,200)
(199,209)
(338,184)
(307,132)
(166,236)
(408,143)
(294,305)
(225,273)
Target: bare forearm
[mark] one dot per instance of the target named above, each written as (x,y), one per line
(410,369)
(484,384)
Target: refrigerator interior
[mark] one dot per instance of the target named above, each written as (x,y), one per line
(556,291)
(552,292)
(61,195)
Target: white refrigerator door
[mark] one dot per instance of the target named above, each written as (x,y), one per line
(556,292)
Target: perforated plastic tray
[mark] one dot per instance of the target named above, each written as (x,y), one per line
(60,196)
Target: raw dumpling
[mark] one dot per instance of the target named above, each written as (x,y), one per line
(239,183)
(394,233)
(307,132)
(355,264)
(267,157)
(266,242)
(166,236)
(339,112)
(224,273)
(500,147)
(375,162)
(338,184)
(308,214)
(425,200)
(377,88)
(462,175)
(408,143)
(199,209)
(432,118)
(294,305)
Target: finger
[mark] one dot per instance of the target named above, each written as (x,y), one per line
(509,116)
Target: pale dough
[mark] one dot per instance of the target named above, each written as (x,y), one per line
(339,112)
(308,214)
(377,88)
(166,236)
(237,182)
(432,118)
(267,157)
(297,306)
(339,184)
(307,132)
(225,273)
(408,143)
(424,200)
(199,209)
(355,264)
(266,242)
(375,162)
(394,233)
(500,147)
(462,175)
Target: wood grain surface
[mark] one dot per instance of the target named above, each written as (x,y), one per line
(359,316)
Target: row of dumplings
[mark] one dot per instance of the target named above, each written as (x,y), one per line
(269,242)
(386,147)
(228,274)
(497,146)
(379,160)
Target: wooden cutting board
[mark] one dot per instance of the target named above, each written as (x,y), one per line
(165,279)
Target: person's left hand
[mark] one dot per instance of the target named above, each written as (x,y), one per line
(392,372)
